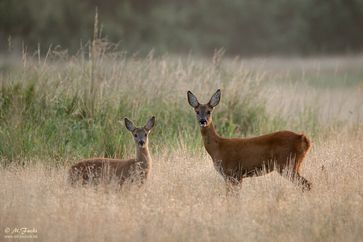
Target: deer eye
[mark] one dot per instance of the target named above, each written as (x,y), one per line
(145,134)
(135,135)
(208,112)
(197,112)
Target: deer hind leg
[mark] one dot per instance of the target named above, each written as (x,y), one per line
(306,185)
(292,172)
(295,176)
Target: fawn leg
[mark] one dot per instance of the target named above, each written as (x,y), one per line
(233,186)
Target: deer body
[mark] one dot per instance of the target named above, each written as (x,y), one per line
(95,170)
(243,157)
(237,158)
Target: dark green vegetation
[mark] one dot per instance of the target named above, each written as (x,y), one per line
(42,123)
(66,107)
(241,27)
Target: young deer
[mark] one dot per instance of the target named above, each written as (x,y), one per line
(95,170)
(237,158)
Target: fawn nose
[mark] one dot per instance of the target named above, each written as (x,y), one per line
(203,122)
(141,142)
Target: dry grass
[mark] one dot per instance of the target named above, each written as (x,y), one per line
(184,200)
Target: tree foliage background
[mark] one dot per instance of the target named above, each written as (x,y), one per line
(241,27)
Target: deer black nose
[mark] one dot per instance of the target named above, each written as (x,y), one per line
(141,142)
(203,121)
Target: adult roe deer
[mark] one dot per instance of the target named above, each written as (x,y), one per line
(237,158)
(95,170)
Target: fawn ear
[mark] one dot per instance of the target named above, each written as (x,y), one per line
(129,125)
(215,99)
(193,101)
(150,124)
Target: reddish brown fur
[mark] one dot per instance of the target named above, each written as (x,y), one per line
(237,158)
(96,170)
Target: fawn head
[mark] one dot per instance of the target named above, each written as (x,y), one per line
(140,134)
(204,111)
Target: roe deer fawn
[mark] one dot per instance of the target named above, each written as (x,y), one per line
(237,158)
(95,170)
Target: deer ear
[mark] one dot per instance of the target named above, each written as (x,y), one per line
(129,125)
(193,101)
(150,124)
(215,99)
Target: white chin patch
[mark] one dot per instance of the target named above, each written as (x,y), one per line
(203,125)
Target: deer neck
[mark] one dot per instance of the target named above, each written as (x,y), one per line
(143,156)
(210,139)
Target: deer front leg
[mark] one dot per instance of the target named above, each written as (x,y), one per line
(233,186)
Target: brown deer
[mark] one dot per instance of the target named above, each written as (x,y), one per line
(237,158)
(95,170)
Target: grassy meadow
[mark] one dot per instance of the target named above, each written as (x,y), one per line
(57,109)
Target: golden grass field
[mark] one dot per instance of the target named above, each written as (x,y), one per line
(184,199)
